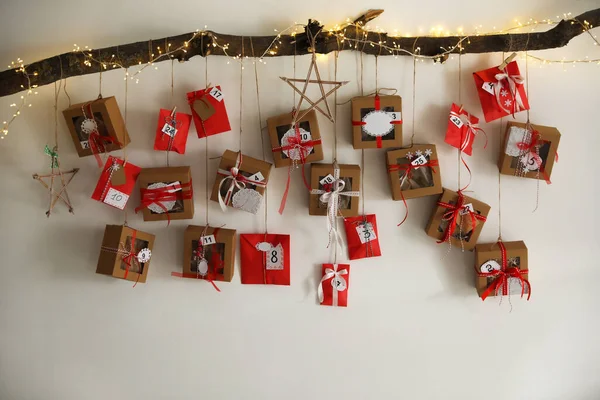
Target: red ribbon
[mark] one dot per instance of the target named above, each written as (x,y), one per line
(501,281)
(96,141)
(160,195)
(531,147)
(409,168)
(378,139)
(130,257)
(452,214)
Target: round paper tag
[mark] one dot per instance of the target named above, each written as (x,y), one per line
(88,126)
(166,204)
(378,123)
(202,267)
(490,266)
(338,283)
(531,161)
(144,255)
(294,154)
(263,246)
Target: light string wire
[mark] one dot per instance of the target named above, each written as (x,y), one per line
(125,223)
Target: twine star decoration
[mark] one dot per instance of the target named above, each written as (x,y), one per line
(56,191)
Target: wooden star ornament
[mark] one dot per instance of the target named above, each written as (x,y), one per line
(62,180)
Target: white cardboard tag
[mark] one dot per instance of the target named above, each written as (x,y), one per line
(488,87)
(208,240)
(275,258)
(490,266)
(116,198)
(466,209)
(366,233)
(339,284)
(169,130)
(419,161)
(329,179)
(85,144)
(395,115)
(257,177)
(456,121)
(144,255)
(217,94)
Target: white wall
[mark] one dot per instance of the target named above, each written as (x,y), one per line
(414,328)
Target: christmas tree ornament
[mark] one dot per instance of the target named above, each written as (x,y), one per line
(166,194)
(501,269)
(333,288)
(377,122)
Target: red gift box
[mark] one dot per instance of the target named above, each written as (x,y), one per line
(361,235)
(209,112)
(172,131)
(462,129)
(116,182)
(501,92)
(265,259)
(333,289)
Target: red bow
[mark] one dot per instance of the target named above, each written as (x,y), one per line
(163,194)
(452,214)
(501,281)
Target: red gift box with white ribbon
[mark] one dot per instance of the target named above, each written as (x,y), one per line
(333,288)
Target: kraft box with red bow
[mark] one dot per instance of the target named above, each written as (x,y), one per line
(501,91)
(241,182)
(462,129)
(457,219)
(501,269)
(125,253)
(172,131)
(335,190)
(414,172)
(166,193)
(208,111)
(376,122)
(529,151)
(362,237)
(116,182)
(333,288)
(265,259)
(96,127)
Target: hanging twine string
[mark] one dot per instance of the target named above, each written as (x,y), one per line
(414,84)
(125,122)
(100,75)
(294,103)
(171,138)
(459,102)
(241,90)
(206,188)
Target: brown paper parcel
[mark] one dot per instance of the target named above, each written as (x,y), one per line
(220,255)
(350,174)
(489,255)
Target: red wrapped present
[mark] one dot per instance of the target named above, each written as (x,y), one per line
(333,288)
(172,131)
(361,235)
(501,91)
(209,112)
(265,259)
(116,182)
(462,129)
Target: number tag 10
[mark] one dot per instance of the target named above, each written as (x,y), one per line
(116,198)
(366,233)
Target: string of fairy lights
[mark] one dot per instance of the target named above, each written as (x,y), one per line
(387,43)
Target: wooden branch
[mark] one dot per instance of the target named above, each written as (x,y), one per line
(211,43)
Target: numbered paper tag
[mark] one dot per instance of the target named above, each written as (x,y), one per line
(84,144)
(488,87)
(217,94)
(421,160)
(456,121)
(366,233)
(490,266)
(144,255)
(169,130)
(116,199)
(275,258)
(466,209)
(329,179)
(339,283)
(395,115)
(257,177)
(208,240)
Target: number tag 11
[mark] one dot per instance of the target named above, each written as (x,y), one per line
(366,233)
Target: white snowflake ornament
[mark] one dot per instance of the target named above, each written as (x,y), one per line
(508,102)
(409,155)
(428,152)
(418,153)
(504,92)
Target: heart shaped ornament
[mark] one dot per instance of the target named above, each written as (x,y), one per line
(247,199)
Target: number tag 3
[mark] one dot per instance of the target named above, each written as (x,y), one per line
(366,232)
(275,258)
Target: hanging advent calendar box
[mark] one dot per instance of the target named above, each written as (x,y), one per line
(501,91)
(96,127)
(502,269)
(116,182)
(241,182)
(265,259)
(462,129)
(529,151)
(208,253)
(333,288)
(377,122)
(362,237)
(414,172)
(291,145)
(457,219)
(208,111)
(334,187)
(166,193)
(125,253)
(172,131)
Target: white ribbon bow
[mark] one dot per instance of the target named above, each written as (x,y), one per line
(236,179)
(513,81)
(335,274)
(471,128)
(332,199)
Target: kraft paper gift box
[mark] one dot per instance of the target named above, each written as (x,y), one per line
(458,219)
(501,92)
(376,122)
(265,259)
(462,129)
(291,145)
(529,151)
(116,182)
(172,131)
(323,180)
(362,237)
(166,193)
(209,111)
(414,172)
(333,288)
(118,258)
(209,253)
(241,182)
(502,269)
(96,127)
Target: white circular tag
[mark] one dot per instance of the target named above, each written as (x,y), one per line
(263,246)
(378,123)
(88,126)
(166,204)
(202,267)
(490,266)
(294,154)
(144,255)
(339,283)
(531,161)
